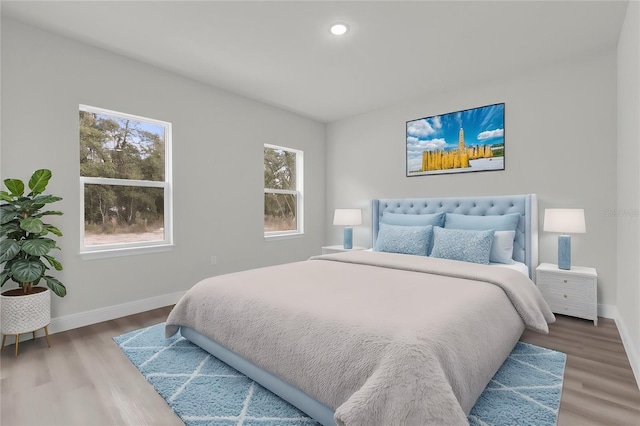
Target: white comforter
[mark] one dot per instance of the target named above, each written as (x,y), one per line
(384,339)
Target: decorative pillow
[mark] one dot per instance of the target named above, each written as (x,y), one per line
(462,244)
(502,247)
(507,222)
(435,219)
(404,239)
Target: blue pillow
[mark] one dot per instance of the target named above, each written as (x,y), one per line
(462,244)
(435,219)
(502,247)
(404,239)
(507,222)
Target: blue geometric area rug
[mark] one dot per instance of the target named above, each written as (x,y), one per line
(203,390)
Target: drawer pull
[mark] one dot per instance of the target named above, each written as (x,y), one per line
(565,281)
(565,296)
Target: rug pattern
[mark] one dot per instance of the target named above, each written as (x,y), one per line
(203,390)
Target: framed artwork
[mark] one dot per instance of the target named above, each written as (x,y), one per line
(471,140)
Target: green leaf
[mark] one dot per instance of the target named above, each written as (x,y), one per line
(48,212)
(9,228)
(56,286)
(4,277)
(39,181)
(8,250)
(15,186)
(8,213)
(53,262)
(27,271)
(53,230)
(4,195)
(35,207)
(45,199)
(38,247)
(32,224)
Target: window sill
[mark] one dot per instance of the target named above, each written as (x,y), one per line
(120,252)
(277,237)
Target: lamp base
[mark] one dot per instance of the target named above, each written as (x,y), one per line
(564,252)
(348,238)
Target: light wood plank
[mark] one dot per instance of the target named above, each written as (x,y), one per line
(599,385)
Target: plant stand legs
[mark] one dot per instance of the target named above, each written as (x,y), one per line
(46,332)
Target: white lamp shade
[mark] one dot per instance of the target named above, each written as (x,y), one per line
(566,221)
(347,217)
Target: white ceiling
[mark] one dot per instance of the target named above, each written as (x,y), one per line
(282,53)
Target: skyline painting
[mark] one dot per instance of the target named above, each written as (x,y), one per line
(471,140)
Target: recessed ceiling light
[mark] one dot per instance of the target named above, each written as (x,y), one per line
(339,29)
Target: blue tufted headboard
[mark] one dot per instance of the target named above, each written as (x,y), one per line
(525,246)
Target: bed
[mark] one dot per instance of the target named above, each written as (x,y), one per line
(382,337)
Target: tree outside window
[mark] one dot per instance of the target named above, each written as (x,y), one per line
(282,191)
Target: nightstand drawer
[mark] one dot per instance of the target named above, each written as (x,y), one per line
(581,310)
(558,296)
(564,296)
(566,281)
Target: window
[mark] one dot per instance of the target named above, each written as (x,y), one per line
(282,191)
(125,183)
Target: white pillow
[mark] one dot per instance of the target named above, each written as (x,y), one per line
(502,247)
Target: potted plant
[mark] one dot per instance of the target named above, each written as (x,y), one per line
(24,248)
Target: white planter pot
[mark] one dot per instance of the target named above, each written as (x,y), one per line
(24,314)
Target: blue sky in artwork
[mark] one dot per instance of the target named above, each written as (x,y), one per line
(482,126)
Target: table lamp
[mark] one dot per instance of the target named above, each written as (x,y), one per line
(565,221)
(347,218)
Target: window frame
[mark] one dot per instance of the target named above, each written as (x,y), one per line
(139,247)
(298,192)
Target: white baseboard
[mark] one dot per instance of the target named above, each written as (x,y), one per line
(82,319)
(629,347)
(607,311)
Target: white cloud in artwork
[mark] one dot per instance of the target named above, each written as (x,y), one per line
(418,146)
(419,128)
(490,134)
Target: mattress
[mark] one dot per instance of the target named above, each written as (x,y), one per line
(516,266)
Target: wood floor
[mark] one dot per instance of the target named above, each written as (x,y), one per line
(84,379)
(599,386)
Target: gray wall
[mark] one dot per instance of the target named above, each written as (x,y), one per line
(628,222)
(218,142)
(560,129)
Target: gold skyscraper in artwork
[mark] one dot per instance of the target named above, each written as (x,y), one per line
(455,159)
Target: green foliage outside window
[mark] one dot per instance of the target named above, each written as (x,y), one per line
(120,148)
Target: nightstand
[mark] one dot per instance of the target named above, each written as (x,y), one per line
(573,292)
(339,249)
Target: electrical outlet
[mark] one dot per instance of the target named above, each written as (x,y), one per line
(214,260)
